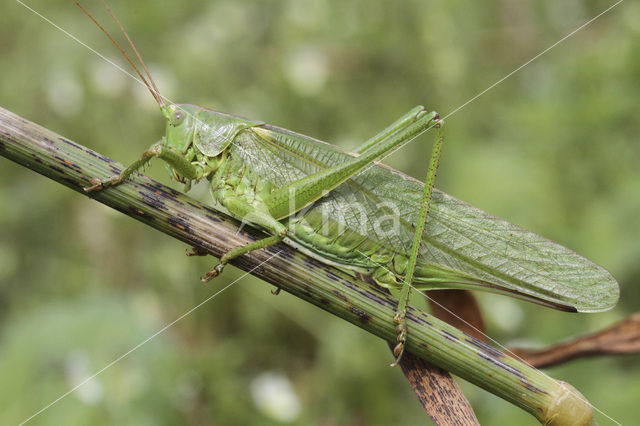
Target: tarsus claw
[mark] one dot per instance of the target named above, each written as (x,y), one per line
(196,251)
(213,273)
(96,185)
(401,329)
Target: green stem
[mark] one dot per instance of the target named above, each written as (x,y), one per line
(364,305)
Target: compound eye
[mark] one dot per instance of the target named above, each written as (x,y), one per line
(178,116)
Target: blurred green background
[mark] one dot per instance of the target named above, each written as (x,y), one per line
(554,148)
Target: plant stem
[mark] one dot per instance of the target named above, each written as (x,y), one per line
(367,306)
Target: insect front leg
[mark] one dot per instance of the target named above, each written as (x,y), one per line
(176,160)
(400,316)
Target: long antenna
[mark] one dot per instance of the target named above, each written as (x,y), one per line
(133,46)
(154,90)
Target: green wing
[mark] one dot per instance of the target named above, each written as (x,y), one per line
(484,250)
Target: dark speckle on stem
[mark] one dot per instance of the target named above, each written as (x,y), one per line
(140,213)
(72,183)
(68,142)
(310,263)
(324,301)
(341,295)
(51,145)
(214,218)
(484,347)
(98,156)
(6,135)
(417,318)
(152,201)
(449,336)
(306,291)
(286,254)
(92,153)
(533,388)
(380,299)
(68,164)
(362,315)
(346,283)
(179,223)
(332,276)
(501,364)
(57,169)
(163,191)
(208,209)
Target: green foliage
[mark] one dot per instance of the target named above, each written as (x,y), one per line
(552,149)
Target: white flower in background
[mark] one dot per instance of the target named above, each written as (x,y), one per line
(64,93)
(306,69)
(505,313)
(274,395)
(77,369)
(164,79)
(109,80)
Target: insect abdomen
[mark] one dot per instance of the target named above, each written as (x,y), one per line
(329,239)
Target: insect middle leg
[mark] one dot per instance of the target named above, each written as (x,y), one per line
(240,208)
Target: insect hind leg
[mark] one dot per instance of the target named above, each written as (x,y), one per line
(403,122)
(400,317)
